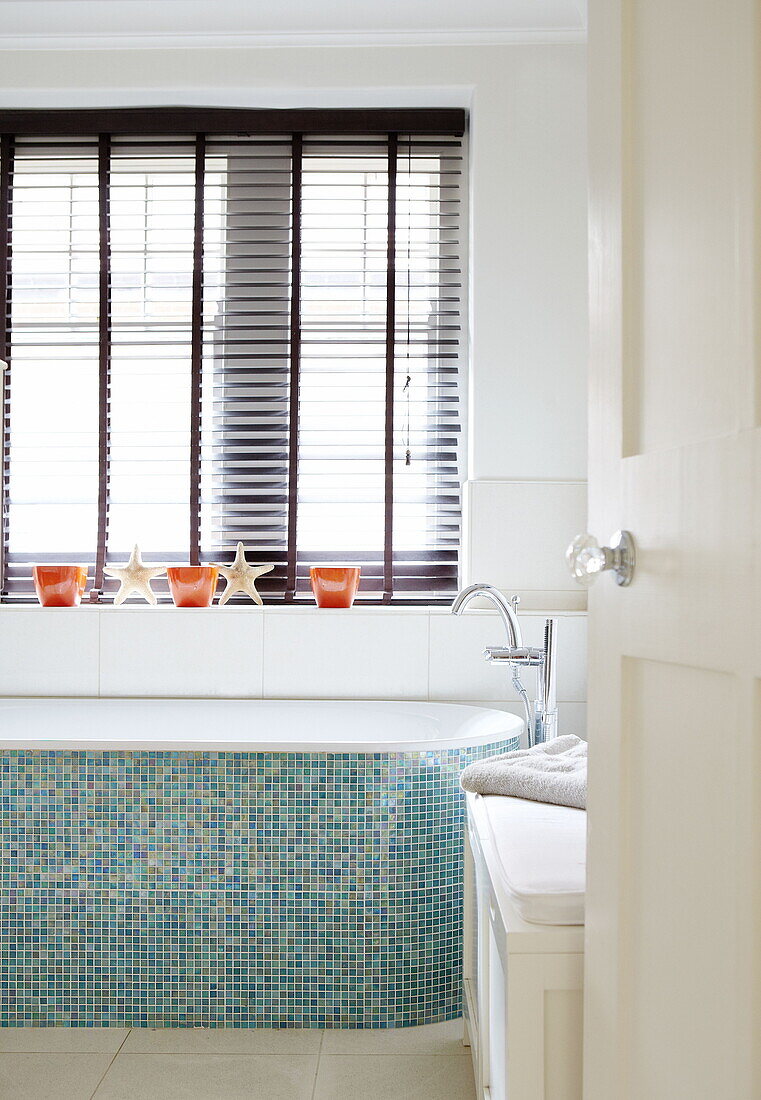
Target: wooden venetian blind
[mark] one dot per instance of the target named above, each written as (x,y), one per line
(227,326)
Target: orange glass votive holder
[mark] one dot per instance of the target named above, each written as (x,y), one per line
(192,585)
(335,585)
(59,585)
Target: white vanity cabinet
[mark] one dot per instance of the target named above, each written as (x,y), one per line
(522,984)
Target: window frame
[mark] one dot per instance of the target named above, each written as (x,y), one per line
(105,125)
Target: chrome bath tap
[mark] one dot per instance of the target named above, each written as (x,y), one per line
(542,717)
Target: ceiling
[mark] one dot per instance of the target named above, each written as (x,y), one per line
(77,24)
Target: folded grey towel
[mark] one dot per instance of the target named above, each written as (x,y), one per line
(555,771)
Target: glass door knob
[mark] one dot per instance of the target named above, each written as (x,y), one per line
(586,558)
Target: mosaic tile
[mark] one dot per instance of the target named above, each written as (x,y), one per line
(227,889)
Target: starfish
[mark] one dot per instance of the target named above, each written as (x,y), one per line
(135,577)
(241,576)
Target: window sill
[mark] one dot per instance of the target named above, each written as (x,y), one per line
(278,609)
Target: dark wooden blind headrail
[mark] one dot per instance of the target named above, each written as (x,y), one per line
(232,120)
(264,338)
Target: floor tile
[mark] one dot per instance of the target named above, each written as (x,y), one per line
(445,1038)
(403,1077)
(65,1040)
(233,1040)
(51,1076)
(209,1077)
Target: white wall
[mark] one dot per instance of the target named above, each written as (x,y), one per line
(525,497)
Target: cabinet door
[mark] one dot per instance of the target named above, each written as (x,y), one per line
(470,944)
(496,963)
(545,1018)
(477,950)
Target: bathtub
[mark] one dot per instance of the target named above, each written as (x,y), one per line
(230,863)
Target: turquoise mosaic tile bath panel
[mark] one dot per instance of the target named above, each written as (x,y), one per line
(262,889)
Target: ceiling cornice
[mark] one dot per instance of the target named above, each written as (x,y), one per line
(480,37)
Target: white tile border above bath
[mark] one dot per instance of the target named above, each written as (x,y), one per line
(55,653)
(273,652)
(187,652)
(340,655)
(458,669)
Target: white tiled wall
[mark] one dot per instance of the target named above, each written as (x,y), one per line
(166,651)
(373,653)
(49,655)
(355,655)
(459,671)
(503,518)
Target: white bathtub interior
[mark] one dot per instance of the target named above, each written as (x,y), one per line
(248,725)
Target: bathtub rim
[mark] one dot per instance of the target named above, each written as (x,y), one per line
(478,726)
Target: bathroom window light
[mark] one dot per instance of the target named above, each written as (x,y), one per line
(261,332)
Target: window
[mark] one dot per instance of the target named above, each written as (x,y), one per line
(226,326)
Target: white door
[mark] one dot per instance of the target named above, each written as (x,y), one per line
(673,978)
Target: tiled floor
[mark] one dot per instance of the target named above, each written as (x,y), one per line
(423,1063)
